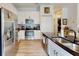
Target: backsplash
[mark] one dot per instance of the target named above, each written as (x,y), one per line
(29,25)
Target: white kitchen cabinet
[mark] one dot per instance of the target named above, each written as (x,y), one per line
(35,17)
(21,35)
(51,48)
(21,18)
(28,15)
(37,34)
(55,50)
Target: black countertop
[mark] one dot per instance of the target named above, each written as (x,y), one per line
(68,48)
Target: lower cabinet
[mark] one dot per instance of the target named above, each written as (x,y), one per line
(37,34)
(21,35)
(55,50)
(28,35)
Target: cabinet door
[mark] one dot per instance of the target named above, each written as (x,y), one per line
(62,52)
(37,34)
(35,17)
(55,50)
(21,19)
(51,48)
(21,35)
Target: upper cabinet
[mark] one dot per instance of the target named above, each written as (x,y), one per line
(34,15)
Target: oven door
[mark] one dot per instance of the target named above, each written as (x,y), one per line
(29,34)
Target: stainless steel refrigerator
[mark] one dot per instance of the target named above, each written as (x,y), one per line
(0,36)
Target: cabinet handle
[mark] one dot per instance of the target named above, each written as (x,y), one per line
(56,53)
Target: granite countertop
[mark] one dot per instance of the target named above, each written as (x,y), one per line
(69,46)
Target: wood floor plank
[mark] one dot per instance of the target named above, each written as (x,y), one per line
(30,48)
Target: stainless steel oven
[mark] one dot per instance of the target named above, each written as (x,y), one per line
(29,33)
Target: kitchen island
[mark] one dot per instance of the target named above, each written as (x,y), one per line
(59,46)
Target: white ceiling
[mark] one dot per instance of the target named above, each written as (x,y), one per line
(25,5)
(36,5)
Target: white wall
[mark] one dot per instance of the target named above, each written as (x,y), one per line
(0,5)
(70,12)
(9,7)
(46,24)
(72,16)
(65,12)
(78,16)
(46,20)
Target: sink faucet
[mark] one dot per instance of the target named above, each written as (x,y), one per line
(74,34)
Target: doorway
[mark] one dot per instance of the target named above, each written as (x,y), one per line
(59,25)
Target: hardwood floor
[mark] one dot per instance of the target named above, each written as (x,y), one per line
(30,48)
(11,49)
